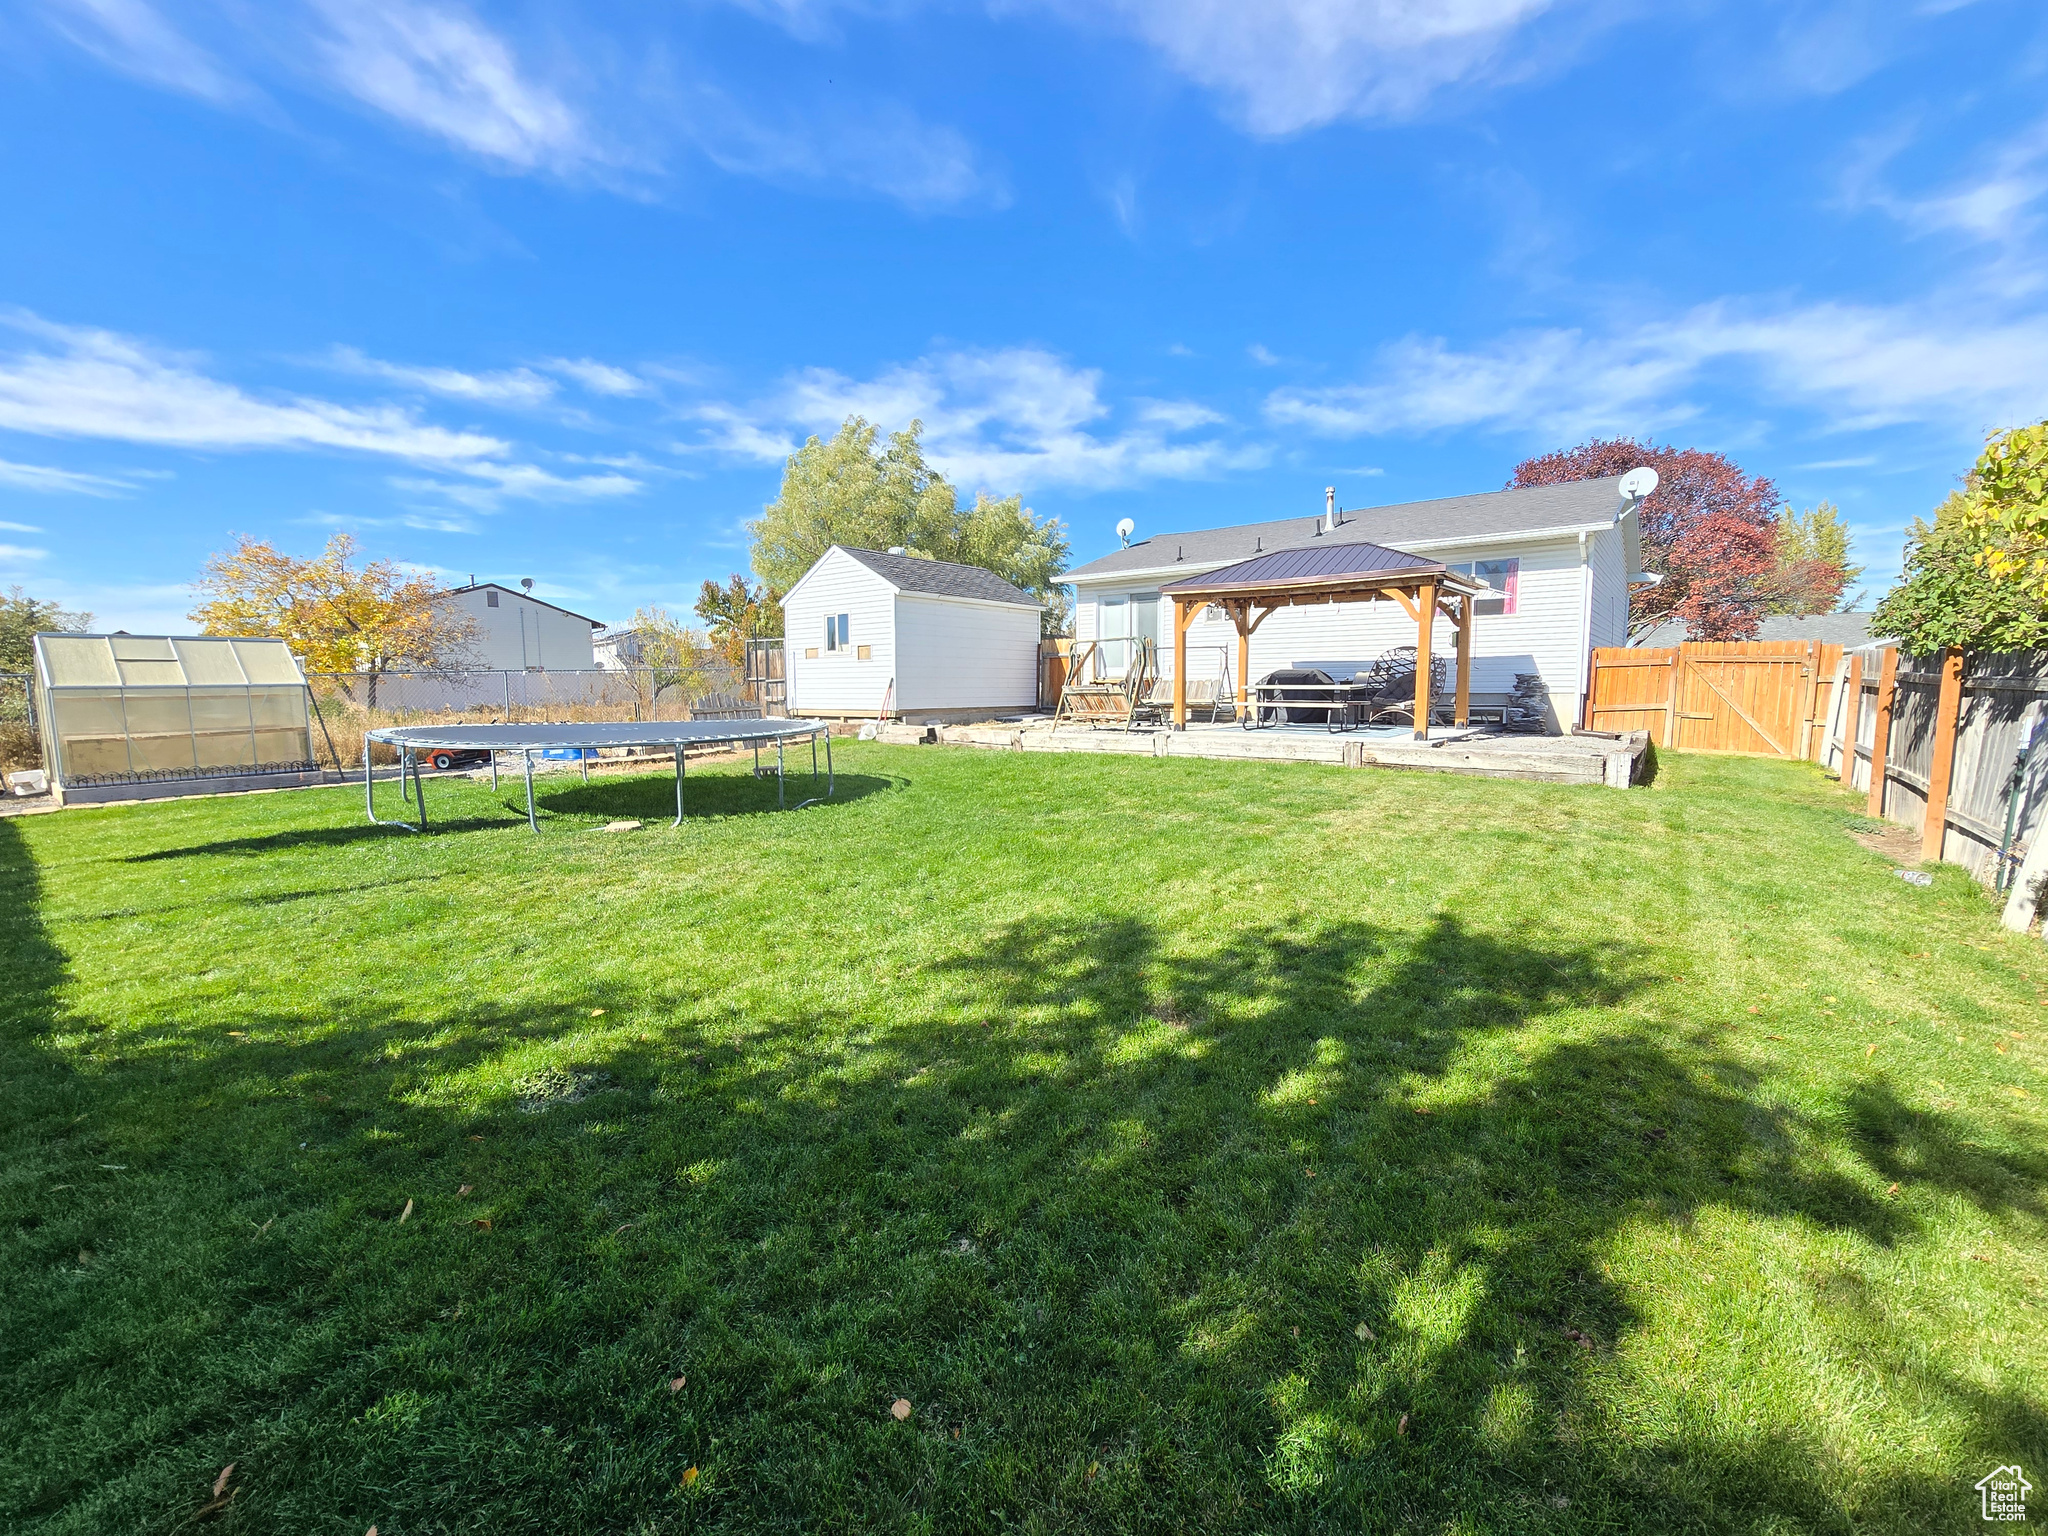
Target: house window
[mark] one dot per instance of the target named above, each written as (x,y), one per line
(490,599)
(1504,576)
(836,631)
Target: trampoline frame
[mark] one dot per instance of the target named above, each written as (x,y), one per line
(413,740)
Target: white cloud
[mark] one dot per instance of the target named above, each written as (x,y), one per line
(491,485)
(19,528)
(1994,203)
(1014,419)
(514,386)
(1858,366)
(1261,354)
(440,70)
(598,378)
(13,553)
(81,382)
(882,147)
(1293,64)
(49,481)
(132,37)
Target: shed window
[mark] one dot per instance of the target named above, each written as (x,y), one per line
(1504,576)
(490,599)
(837,632)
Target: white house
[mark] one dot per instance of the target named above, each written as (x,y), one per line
(1561,558)
(867,631)
(517,632)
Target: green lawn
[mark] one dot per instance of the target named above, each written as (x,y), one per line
(1195,1146)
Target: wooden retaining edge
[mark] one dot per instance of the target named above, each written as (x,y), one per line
(1615,761)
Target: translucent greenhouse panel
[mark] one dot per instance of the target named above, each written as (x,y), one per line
(160,731)
(268,661)
(90,732)
(221,734)
(209,663)
(283,730)
(146,663)
(77,661)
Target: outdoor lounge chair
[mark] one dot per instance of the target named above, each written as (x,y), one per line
(1385,692)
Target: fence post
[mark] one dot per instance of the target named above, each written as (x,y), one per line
(1852,721)
(1881,728)
(1946,713)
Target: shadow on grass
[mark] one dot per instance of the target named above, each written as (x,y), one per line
(706,796)
(1110,1214)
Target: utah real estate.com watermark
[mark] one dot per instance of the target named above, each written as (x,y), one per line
(2004,1491)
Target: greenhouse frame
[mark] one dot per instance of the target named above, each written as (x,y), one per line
(126,717)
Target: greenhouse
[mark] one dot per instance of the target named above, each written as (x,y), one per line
(134,716)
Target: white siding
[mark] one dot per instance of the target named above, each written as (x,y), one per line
(835,682)
(1610,590)
(960,655)
(520,633)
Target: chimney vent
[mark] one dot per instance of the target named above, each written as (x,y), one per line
(1330,508)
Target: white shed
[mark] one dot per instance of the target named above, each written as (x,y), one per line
(868,633)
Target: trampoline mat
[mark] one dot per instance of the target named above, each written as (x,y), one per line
(542,736)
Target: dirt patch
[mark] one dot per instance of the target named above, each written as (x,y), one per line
(1899,844)
(552,1086)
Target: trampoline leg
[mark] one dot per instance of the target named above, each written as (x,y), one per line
(778,774)
(494,770)
(369,792)
(404,786)
(814,762)
(531,820)
(828,765)
(679,786)
(419,792)
(586,766)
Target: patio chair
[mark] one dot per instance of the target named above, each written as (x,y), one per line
(1385,692)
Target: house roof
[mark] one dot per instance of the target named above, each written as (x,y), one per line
(1850,629)
(1333,562)
(1445,520)
(492,586)
(940,578)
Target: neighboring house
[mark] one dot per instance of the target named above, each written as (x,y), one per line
(517,632)
(867,630)
(1560,558)
(617,650)
(1850,629)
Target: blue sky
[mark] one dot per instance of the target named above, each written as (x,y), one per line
(549,290)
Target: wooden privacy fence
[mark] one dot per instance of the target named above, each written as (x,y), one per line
(1766,698)
(1936,744)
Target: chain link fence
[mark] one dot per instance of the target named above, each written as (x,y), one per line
(351,704)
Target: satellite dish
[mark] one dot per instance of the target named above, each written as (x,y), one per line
(527,581)
(1125,528)
(1638,483)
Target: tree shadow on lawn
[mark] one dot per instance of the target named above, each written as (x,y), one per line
(1109,1214)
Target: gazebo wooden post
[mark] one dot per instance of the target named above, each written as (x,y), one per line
(1464,710)
(1182,612)
(1425,625)
(1243,614)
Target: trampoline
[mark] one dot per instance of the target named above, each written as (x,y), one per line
(529,741)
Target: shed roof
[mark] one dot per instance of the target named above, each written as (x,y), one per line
(1446,519)
(940,578)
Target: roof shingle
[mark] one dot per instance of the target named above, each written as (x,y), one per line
(941,578)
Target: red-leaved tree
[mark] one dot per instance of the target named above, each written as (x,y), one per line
(1710,530)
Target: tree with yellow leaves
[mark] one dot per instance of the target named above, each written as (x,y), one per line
(336,617)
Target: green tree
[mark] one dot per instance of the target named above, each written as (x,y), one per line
(667,655)
(1948,594)
(738,612)
(2009,487)
(22,618)
(1813,568)
(853,492)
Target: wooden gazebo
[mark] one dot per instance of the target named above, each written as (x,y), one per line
(1339,571)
